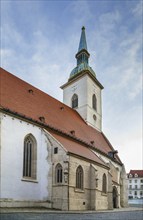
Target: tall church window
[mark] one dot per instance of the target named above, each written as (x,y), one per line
(104,183)
(94,102)
(59,173)
(74,101)
(29,157)
(79,177)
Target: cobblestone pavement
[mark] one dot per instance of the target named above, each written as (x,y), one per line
(128,215)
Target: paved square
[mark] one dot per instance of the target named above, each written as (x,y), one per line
(128,215)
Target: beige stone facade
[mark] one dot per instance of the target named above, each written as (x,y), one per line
(65,195)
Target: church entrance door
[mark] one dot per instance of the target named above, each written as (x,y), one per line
(115,197)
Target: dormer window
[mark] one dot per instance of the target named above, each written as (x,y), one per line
(74,101)
(42,119)
(136,175)
(30,91)
(72,132)
(112,153)
(130,175)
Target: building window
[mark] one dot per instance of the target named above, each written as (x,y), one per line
(79,178)
(141,180)
(29,157)
(74,101)
(94,102)
(104,184)
(59,173)
(55,150)
(130,186)
(130,192)
(130,181)
(135,193)
(141,186)
(135,181)
(136,186)
(141,193)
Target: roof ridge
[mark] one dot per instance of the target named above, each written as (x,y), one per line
(136,171)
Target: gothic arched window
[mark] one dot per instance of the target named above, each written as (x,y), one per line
(94,102)
(79,178)
(59,173)
(29,157)
(104,183)
(74,101)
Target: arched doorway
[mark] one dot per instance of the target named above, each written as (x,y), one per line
(115,197)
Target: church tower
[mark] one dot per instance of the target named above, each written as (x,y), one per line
(83,91)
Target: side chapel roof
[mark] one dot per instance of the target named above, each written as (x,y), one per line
(24,99)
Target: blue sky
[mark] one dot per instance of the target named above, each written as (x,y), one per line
(39,40)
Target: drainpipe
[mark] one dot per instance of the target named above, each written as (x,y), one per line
(68,172)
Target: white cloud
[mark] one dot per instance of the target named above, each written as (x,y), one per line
(136,88)
(132,155)
(81,12)
(137,11)
(108,21)
(119,55)
(125,133)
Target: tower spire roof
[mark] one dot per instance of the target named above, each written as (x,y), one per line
(82,57)
(82,43)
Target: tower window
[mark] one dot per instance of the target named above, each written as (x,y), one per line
(94,102)
(74,101)
(29,157)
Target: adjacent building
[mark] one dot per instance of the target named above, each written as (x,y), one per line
(55,154)
(135,184)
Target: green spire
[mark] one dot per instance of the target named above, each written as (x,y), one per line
(82,43)
(82,54)
(82,58)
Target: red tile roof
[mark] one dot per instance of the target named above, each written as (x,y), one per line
(77,149)
(23,98)
(138,172)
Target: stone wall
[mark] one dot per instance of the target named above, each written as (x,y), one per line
(84,199)
(59,191)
